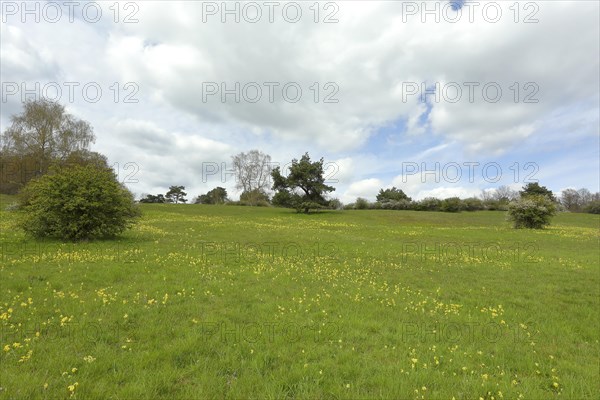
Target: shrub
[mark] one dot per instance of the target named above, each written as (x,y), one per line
(397,205)
(387,205)
(532,211)
(361,204)
(306,206)
(593,207)
(428,204)
(255,197)
(335,204)
(472,204)
(77,203)
(495,205)
(451,204)
(375,206)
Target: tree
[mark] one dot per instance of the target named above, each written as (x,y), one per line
(487,195)
(571,199)
(532,211)
(45,131)
(252,171)
(150,198)
(84,157)
(176,194)
(392,194)
(41,136)
(505,194)
(307,178)
(217,195)
(534,188)
(77,203)
(336,204)
(585,195)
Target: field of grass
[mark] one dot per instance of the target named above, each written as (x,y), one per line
(240,302)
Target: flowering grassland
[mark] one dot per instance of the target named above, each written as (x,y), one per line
(241,302)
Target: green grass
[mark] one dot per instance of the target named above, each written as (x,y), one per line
(239,302)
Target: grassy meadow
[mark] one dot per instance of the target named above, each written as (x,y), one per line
(202,301)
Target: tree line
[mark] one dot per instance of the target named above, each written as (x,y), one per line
(303,188)
(44,136)
(581,200)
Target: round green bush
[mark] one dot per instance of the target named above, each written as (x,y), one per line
(451,204)
(77,203)
(361,204)
(593,207)
(533,211)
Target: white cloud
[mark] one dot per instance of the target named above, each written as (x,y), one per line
(371,54)
(366,188)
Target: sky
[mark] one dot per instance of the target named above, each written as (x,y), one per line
(438,99)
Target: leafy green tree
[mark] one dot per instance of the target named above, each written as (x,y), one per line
(176,194)
(202,199)
(217,195)
(77,203)
(305,177)
(534,189)
(392,194)
(150,198)
(533,211)
(283,198)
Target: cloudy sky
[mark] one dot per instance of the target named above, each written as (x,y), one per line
(439,100)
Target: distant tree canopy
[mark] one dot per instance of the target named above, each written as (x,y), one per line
(578,200)
(41,136)
(499,199)
(505,194)
(252,171)
(304,187)
(217,195)
(392,194)
(150,198)
(176,195)
(534,188)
